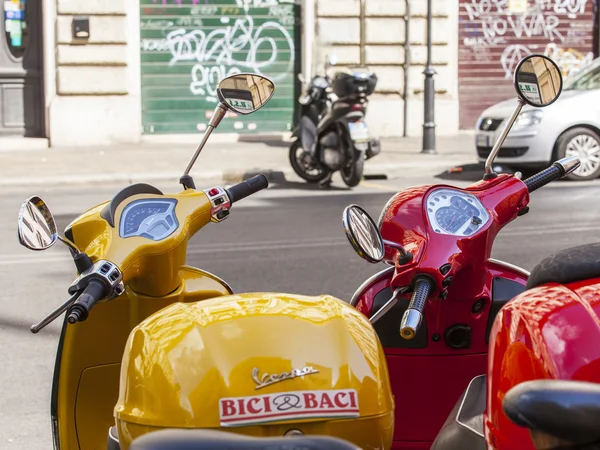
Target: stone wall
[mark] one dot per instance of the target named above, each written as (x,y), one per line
(372,32)
(97,98)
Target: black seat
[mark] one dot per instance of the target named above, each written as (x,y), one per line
(568,410)
(567,266)
(464,427)
(213,440)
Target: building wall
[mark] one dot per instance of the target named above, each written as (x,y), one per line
(494,35)
(93,85)
(372,33)
(94,95)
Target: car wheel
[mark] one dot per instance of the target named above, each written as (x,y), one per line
(585,144)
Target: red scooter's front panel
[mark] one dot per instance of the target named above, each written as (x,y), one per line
(429,377)
(430,372)
(549,332)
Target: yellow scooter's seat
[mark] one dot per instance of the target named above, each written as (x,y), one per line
(213,440)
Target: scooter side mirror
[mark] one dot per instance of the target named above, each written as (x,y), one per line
(37,228)
(363,234)
(245,93)
(538,83)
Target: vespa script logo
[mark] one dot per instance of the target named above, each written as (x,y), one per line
(268,379)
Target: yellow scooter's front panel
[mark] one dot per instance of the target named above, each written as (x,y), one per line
(86,383)
(149,267)
(240,361)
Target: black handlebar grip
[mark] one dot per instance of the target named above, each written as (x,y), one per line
(80,310)
(546,176)
(251,186)
(411,320)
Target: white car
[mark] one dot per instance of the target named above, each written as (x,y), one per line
(568,127)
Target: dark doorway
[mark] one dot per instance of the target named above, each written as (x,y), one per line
(21,69)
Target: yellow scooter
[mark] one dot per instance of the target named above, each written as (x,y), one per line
(168,346)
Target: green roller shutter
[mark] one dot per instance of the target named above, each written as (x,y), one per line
(187,46)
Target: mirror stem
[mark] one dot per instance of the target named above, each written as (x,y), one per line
(395,246)
(68,243)
(489,172)
(218,114)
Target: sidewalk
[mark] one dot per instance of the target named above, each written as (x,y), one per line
(231,161)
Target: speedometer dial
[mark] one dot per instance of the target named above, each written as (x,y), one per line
(450,219)
(136,216)
(151,219)
(454,212)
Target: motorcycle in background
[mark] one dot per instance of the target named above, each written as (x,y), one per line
(434,307)
(314,103)
(331,133)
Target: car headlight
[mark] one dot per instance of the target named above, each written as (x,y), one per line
(478,123)
(528,119)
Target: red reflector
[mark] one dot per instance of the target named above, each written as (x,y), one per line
(213,192)
(356,107)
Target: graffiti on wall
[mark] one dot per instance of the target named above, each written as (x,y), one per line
(239,45)
(568,60)
(516,28)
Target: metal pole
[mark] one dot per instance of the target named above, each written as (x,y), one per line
(429,120)
(406,65)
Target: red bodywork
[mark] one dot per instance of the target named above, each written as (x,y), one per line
(428,381)
(550,332)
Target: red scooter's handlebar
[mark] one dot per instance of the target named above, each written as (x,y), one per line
(411,320)
(555,172)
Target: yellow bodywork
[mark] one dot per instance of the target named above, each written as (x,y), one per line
(182,360)
(184,354)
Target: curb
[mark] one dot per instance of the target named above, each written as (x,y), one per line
(381,170)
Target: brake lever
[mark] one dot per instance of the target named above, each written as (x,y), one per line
(388,305)
(53,315)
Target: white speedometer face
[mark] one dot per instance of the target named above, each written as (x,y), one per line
(149,218)
(455,212)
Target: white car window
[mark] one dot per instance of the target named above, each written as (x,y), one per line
(585,80)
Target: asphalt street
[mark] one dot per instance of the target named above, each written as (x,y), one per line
(286,239)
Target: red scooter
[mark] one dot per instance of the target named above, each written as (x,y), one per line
(434,307)
(542,388)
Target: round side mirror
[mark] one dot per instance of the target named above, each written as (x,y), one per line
(245,93)
(363,234)
(37,229)
(538,80)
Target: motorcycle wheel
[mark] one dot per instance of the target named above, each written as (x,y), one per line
(353,172)
(310,172)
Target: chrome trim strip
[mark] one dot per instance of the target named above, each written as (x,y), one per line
(510,266)
(369,281)
(461,407)
(219,279)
